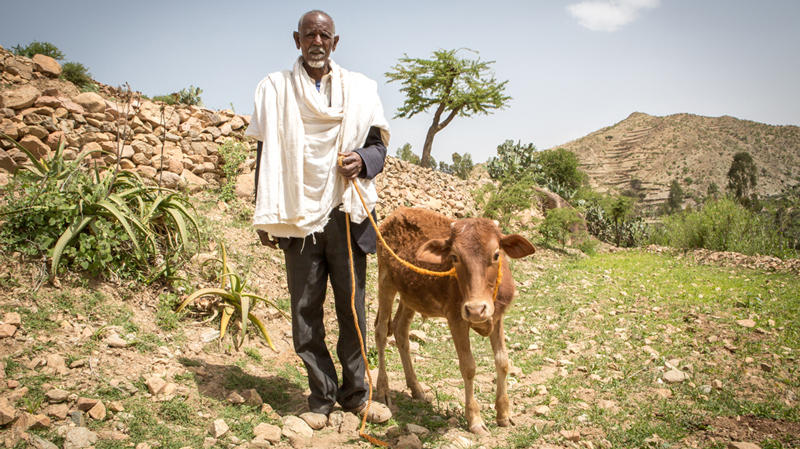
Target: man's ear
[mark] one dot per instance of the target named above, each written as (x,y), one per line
(296,36)
(434,251)
(516,246)
(335,42)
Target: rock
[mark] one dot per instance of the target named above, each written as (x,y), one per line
(58,364)
(116,406)
(251,397)
(235,398)
(27,421)
(79,437)
(316,421)
(193,182)
(541,410)
(56,396)
(13,318)
(38,442)
(19,98)
(350,423)
(7,164)
(46,65)
(91,102)
(58,411)
(156,385)
(335,419)
(7,412)
(168,179)
(742,445)
(218,428)
(418,336)
(674,376)
(746,323)
(115,341)
(409,442)
(766,367)
(268,432)
(571,435)
(245,185)
(417,430)
(77,418)
(85,404)
(294,426)
(38,149)
(98,412)
(7,331)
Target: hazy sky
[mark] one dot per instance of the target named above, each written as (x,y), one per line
(572,66)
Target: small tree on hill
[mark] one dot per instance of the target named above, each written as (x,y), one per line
(38,48)
(675,199)
(404,153)
(512,161)
(561,169)
(743,175)
(452,85)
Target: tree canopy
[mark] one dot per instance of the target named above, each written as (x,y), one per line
(452,85)
(743,175)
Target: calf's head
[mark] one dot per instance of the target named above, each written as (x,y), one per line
(474,248)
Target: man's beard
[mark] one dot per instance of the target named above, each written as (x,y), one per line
(314,51)
(316,64)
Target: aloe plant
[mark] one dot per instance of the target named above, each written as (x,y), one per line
(111,221)
(235,301)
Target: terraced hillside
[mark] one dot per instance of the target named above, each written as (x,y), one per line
(645,153)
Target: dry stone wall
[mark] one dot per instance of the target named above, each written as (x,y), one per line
(172,144)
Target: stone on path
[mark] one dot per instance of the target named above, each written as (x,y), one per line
(294,426)
(218,428)
(56,396)
(742,445)
(7,412)
(571,435)
(79,437)
(268,432)
(541,410)
(156,385)
(746,323)
(409,442)
(674,376)
(417,430)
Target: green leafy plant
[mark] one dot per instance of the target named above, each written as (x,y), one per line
(190,96)
(235,301)
(561,225)
(512,161)
(77,74)
(233,155)
(38,48)
(112,223)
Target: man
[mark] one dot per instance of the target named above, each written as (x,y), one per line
(304,120)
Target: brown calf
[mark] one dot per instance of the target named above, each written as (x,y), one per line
(474,247)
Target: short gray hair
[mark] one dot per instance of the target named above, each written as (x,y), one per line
(316,11)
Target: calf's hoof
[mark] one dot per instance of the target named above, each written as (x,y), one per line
(506,422)
(419,395)
(479,429)
(384,397)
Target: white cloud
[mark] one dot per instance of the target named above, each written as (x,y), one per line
(609,15)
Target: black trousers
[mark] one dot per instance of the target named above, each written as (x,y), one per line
(310,262)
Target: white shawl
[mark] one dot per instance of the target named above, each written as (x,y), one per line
(299,183)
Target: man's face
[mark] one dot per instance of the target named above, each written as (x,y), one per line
(315,40)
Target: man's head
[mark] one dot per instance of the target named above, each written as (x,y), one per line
(316,38)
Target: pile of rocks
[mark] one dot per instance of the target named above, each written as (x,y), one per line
(172,144)
(406,184)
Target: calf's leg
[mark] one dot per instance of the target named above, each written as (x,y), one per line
(401,326)
(386,295)
(460,331)
(497,337)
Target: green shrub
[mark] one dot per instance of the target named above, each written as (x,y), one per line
(558,225)
(506,200)
(168,99)
(723,225)
(512,161)
(76,73)
(190,96)
(39,48)
(233,154)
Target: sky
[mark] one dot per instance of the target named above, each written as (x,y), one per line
(573,67)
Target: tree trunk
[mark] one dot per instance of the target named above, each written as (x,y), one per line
(426,149)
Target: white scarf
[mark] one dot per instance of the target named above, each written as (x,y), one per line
(299,182)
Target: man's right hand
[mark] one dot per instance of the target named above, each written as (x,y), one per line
(266,240)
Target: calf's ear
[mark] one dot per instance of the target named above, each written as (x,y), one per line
(516,246)
(434,251)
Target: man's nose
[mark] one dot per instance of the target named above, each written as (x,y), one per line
(317,40)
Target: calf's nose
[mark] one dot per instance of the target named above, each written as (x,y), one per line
(476,312)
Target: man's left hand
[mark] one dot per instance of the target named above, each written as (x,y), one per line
(351,165)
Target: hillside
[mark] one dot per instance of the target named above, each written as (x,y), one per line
(693,149)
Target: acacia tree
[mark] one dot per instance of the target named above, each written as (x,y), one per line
(454,86)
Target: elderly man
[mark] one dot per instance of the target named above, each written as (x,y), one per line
(304,120)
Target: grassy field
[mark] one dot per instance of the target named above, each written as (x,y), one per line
(590,341)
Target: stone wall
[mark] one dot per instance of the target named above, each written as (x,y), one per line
(174,144)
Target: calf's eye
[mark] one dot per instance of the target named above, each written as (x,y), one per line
(496,257)
(453,258)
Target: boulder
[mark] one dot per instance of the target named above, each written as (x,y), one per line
(20,98)
(91,102)
(7,164)
(37,148)
(47,65)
